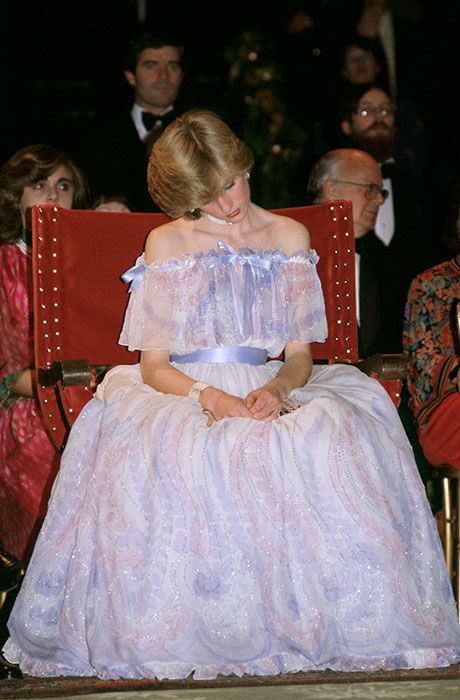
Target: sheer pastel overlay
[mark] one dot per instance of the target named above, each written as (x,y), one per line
(173,548)
(186,304)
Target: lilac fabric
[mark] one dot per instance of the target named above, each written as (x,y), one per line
(172,548)
(222,298)
(245,355)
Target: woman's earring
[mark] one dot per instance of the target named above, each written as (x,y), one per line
(247,175)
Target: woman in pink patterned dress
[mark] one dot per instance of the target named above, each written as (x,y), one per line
(36,174)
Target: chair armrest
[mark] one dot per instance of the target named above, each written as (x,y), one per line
(384,366)
(389,369)
(68,372)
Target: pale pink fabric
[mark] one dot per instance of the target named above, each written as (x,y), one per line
(171,547)
(26,453)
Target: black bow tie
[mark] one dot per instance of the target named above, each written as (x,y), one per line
(150,120)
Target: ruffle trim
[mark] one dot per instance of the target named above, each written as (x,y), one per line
(272,665)
(225,251)
(199,303)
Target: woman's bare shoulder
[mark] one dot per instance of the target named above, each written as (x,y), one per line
(164,242)
(291,235)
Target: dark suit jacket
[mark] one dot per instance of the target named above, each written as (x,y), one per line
(411,251)
(370,250)
(115,162)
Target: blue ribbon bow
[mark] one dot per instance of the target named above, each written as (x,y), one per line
(134,275)
(243,258)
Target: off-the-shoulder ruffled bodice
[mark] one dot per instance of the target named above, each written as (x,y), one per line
(224,297)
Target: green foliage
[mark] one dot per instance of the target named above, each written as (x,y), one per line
(255,86)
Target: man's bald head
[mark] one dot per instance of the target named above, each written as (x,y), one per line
(349,173)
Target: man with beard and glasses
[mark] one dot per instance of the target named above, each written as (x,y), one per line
(368,120)
(360,61)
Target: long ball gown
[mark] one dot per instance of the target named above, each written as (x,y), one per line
(173,548)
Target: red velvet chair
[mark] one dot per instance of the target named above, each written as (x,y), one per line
(79,299)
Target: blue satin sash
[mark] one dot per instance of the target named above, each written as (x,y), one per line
(247,356)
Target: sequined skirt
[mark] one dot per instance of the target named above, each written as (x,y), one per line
(172,547)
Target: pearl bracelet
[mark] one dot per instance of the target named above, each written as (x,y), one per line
(196,389)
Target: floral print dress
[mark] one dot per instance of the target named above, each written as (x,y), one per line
(431,346)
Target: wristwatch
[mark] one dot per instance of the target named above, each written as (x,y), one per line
(196,389)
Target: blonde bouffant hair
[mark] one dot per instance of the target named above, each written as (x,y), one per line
(193,160)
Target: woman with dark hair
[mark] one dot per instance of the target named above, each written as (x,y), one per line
(431,343)
(37,174)
(361,60)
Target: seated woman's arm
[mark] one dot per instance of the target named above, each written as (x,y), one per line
(268,399)
(261,404)
(157,371)
(18,384)
(23,385)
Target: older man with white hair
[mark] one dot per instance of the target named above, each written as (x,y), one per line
(349,173)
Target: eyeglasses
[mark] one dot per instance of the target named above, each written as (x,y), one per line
(382,111)
(371,190)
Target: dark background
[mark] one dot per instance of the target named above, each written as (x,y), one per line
(61,63)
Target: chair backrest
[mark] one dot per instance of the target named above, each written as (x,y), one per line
(79,298)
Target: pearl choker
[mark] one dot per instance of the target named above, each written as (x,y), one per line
(222,222)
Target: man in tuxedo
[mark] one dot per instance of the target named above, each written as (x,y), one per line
(115,158)
(352,174)
(369,122)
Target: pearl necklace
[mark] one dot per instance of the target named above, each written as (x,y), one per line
(222,222)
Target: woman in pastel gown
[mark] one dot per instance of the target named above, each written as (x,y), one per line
(38,174)
(217,513)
